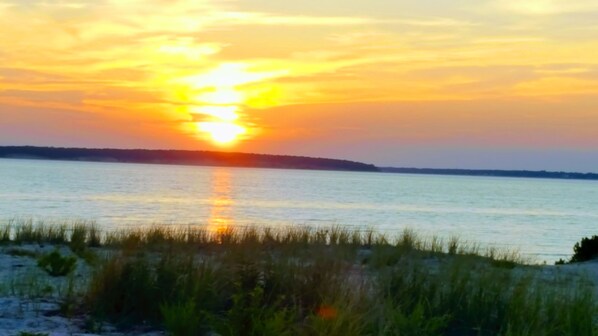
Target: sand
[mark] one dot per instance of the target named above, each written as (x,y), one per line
(585,271)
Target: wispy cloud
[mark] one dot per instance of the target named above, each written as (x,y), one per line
(434,22)
(547,7)
(257,18)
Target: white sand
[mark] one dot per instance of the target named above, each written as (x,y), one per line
(585,271)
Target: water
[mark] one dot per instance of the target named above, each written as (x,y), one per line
(542,218)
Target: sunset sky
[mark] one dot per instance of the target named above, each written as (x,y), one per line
(507,84)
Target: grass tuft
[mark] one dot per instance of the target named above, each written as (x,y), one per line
(57,265)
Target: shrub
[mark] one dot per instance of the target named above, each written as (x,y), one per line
(415,323)
(94,238)
(124,290)
(181,319)
(5,233)
(25,232)
(55,234)
(78,239)
(57,265)
(586,250)
(252,314)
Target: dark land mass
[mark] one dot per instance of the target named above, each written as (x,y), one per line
(228,159)
(497,173)
(183,157)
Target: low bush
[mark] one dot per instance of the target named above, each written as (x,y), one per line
(414,323)
(585,250)
(182,319)
(57,265)
(78,241)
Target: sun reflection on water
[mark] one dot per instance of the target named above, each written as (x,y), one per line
(220,219)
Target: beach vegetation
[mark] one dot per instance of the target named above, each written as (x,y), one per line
(182,318)
(586,249)
(189,280)
(56,264)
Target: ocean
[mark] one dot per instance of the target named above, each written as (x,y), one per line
(540,218)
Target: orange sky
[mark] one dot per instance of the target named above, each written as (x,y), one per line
(488,84)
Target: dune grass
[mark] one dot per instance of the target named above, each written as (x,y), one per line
(302,281)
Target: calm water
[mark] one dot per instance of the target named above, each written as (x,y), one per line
(541,217)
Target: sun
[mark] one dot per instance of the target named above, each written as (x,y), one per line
(217,98)
(221,132)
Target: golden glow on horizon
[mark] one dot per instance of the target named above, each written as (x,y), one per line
(221,132)
(221,94)
(226,113)
(229,75)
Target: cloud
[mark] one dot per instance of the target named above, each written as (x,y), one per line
(26,75)
(72,97)
(498,40)
(260,18)
(547,7)
(434,22)
(199,117)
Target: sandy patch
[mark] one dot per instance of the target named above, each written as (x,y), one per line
(30,299)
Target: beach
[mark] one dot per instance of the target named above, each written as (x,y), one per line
(33,301)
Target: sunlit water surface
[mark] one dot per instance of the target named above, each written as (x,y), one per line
(542,218)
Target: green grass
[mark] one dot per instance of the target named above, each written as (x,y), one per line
(28,231)
(327,281)
(56,264)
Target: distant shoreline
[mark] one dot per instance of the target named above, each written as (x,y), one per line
(251,160)
(492,173)
(183,157)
